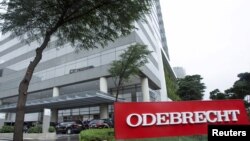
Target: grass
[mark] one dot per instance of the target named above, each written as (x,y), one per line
(97,135)
(186,138)
(108,135)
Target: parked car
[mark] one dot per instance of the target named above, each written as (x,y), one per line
(98,123)
(70,127)
(86,124)
(109,121)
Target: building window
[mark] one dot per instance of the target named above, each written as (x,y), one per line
(1,72)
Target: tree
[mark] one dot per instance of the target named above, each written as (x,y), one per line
(191,87)
(240,90)
(129,64)
(217,95)
(85,24)
(241,87)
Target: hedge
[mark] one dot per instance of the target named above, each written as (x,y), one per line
(97,135)
(35,129)
(51,129)
(7,129)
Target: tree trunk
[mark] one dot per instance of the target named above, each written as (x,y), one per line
(118,89)
(23,89)
(117,93)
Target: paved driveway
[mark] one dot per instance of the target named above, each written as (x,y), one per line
(73,137)
(60,137)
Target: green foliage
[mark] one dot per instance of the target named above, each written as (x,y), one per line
(51,129)
(35,129)
(241,87)
(179,138)
(171,85)
(191,87)
(85,24)
(240,90)
(216,94)
(129,64)
(82,23)
(97,135)
(7,129)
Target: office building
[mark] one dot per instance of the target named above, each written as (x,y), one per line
(78,85)
(179,72)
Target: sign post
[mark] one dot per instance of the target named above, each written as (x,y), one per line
(184,118)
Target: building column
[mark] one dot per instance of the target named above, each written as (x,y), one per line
(2,116)
(55,91)
(145,89)
(46,120)
(54,112)
(2,119)
(104,113)
(103,85)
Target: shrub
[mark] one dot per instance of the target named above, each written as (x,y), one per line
(7,129)
(35,129)
(97,135)
(52,129)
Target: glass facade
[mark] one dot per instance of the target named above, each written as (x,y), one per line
(86,113)
(73,72)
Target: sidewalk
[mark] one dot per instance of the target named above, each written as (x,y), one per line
(10,139)
(5,140)
(29,137)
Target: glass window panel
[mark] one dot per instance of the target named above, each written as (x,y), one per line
(107,58)
(111,108)
(60,111)
(69,67)
(81,63)
(66,112)
(84,111)
(93,61)
(94,110)
(18,51)
(139,96)
(75,113)
(75,110)
(118,53)
(59,71)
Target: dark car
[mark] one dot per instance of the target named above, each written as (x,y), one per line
(98,123)
(70,127)
(86,124)
(109,121)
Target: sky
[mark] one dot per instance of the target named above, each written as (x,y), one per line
(210,38)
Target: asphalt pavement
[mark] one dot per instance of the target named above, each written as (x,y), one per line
(60,137)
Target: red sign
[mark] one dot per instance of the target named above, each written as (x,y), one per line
(162,119)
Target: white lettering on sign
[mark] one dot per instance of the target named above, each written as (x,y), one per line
(171,118)
(139,120)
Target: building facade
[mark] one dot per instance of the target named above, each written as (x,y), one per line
(179,72)
(78,85)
